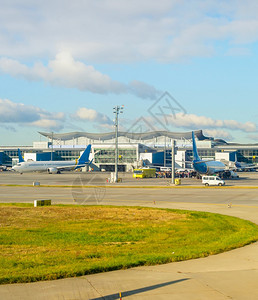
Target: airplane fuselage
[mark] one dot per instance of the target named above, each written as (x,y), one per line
(44,166)
(52,166)
(208,167)
(245,166)
(205,167)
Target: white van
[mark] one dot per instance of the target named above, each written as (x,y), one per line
(212,180)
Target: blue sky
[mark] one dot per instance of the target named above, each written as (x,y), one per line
(64,67)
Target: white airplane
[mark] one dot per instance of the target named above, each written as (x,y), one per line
(52,167)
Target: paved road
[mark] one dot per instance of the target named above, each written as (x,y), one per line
(73,178)
(231,275)
(130,196)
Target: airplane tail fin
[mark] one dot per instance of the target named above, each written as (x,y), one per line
(84,158)
(195,152)
(20,156)
(237,163)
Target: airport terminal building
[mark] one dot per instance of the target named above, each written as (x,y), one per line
(135,149)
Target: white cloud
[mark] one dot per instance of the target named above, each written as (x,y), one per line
(29,115)
(143,90)
(125,31)
(192,121)
(17,112)
(86,114)
(49,124)
(66,72)
(100,121)
(218,134)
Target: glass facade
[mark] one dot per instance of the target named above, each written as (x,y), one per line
(128,154)
(107,156)
(68,154)
(248,155)
(203,153)
(5,159)
(58,154)
(12,153)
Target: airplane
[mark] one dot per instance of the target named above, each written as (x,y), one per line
(3,167)
(161,168)
(20,156)
(242,166)
(209,167)
(52,167)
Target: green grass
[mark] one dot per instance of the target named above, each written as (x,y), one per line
(54,242)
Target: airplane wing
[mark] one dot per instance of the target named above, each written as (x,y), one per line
(249,167)
(73,166)
(69,167)
(244,167)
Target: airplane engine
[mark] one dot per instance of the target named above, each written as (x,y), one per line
(209,171)
(53,171)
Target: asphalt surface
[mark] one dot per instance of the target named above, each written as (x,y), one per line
(230,275)
(98,178)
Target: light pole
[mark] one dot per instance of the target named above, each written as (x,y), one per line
(117,110)
(52,137)
(173,162)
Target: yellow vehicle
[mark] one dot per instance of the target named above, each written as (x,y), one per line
(144,173)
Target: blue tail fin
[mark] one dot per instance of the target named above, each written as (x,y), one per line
(20,156)
(237,163)
(84,158)
(195,152)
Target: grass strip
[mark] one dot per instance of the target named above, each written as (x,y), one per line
(59,241)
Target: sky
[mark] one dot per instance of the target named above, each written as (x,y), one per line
(177,65)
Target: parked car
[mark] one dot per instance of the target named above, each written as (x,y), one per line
(212,180)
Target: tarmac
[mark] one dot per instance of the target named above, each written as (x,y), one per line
(229,275)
